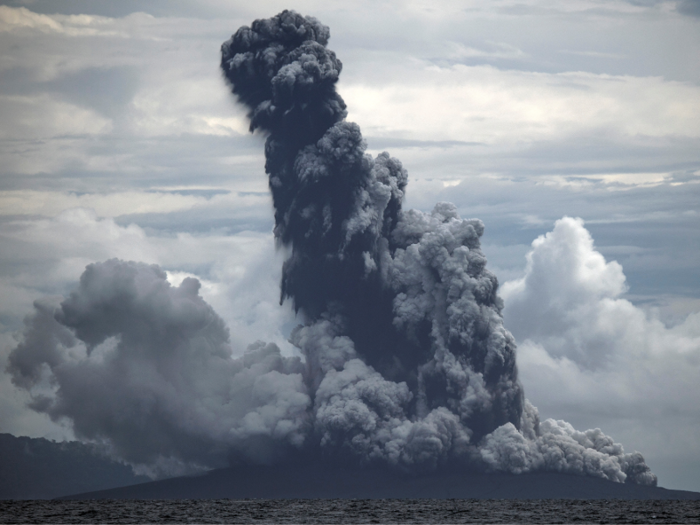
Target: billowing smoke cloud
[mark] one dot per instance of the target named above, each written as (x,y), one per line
(406,359)
(146,368)
(408,292)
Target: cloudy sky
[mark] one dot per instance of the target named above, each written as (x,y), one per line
(572,129)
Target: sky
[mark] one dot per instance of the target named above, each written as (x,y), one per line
(572,129)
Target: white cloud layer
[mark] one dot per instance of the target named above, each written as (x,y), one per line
(489,105)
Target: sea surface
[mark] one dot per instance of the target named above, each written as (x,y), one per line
(350,511)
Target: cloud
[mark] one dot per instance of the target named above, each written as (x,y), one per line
(471,103)
(21,18)
(689,7)
(587,353)
(16,18)
(79,108)
(568,281)
(569,303)
(112,204)
(40,117)
(45,256)
(457,52)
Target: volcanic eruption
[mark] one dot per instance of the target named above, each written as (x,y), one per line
(406,361)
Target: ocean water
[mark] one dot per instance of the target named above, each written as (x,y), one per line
(351,511)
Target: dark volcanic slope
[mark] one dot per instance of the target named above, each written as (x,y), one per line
(318,482)
(33,468)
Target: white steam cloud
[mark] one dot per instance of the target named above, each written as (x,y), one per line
(579,338)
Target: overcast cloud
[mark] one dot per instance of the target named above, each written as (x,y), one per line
(119,139)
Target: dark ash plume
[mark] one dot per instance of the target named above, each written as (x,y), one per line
(406,359)
(409,290)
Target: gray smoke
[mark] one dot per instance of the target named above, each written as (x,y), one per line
(406,359)
(145,368)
